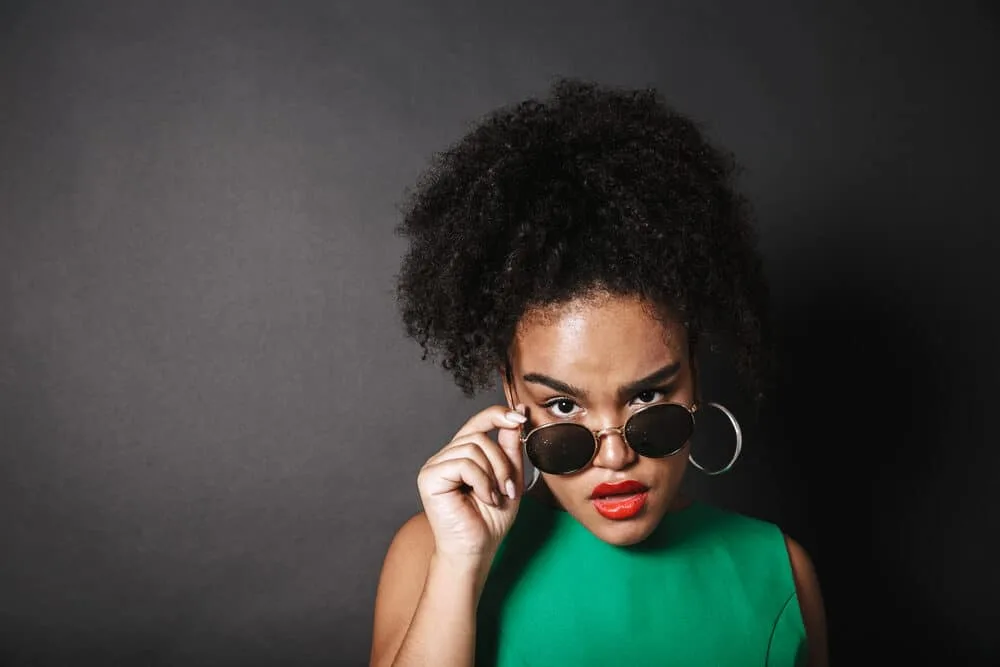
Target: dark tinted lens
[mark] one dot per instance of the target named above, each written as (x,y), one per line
(659,430)
(560,448)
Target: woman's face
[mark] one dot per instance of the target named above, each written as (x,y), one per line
(595,361)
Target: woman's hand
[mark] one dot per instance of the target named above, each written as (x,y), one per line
(471,488)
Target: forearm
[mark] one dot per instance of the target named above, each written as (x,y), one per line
(443,630)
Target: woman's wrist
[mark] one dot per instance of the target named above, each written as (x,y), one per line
(460,572)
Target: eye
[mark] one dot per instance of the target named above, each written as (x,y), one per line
(562,407)
(649,396)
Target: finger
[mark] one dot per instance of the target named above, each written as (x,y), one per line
(502,467)
(494,417)
(474,451)
(509,441)
(455,474)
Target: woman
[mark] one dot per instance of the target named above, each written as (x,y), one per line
(575,249)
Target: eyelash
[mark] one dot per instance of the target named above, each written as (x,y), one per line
(662,391)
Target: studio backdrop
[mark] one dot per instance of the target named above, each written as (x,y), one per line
(211,421)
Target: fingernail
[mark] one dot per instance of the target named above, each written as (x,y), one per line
(515,417)
(511,491)
(496,497)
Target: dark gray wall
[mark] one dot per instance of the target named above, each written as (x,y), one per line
(211,421)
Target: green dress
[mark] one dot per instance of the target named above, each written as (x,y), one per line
(707,587)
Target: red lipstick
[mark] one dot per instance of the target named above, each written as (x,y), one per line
(621,500)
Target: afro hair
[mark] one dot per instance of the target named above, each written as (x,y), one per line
(592,188)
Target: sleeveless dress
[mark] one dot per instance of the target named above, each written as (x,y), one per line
(707,587)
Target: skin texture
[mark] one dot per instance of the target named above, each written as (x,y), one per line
(597,345)
(436,566)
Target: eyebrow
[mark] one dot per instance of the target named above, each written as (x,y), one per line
(555,385)
(658,376)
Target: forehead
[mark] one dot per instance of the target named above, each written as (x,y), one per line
(596,340)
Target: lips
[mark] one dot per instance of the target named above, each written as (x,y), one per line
(623,488)
(621,500)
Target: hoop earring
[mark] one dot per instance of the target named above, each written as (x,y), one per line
(739,443)
(534,477)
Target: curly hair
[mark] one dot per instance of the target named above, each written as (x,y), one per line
(593,188)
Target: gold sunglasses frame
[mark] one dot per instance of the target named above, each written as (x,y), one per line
(620,430)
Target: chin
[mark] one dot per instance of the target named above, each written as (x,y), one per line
(622,533)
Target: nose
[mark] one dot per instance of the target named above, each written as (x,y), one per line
(613,452)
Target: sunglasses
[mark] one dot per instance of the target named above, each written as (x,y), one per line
(653,431)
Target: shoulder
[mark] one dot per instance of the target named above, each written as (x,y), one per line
(802,565)
(414,534)
(761,544)
(810,599)
(401,584)
(409,553)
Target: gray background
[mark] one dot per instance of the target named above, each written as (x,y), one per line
(211,421)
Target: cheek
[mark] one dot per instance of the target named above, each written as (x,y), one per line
(567,488)
(671,467)
(560,483)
